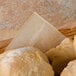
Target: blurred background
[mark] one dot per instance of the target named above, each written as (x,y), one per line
(14,13)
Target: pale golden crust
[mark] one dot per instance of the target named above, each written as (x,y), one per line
(70,70)
(26,61)
(61,55)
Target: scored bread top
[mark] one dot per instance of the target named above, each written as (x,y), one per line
(26,61)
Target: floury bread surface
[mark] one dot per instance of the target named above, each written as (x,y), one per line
(70,70)
(61,55)
(27,61)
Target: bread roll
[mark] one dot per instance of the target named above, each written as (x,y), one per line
(61,55)
(70,70)
(27,61)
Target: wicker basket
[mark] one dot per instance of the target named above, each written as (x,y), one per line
(70,32)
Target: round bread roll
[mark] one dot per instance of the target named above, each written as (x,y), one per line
(27,61)
(70,70)
(61,55)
